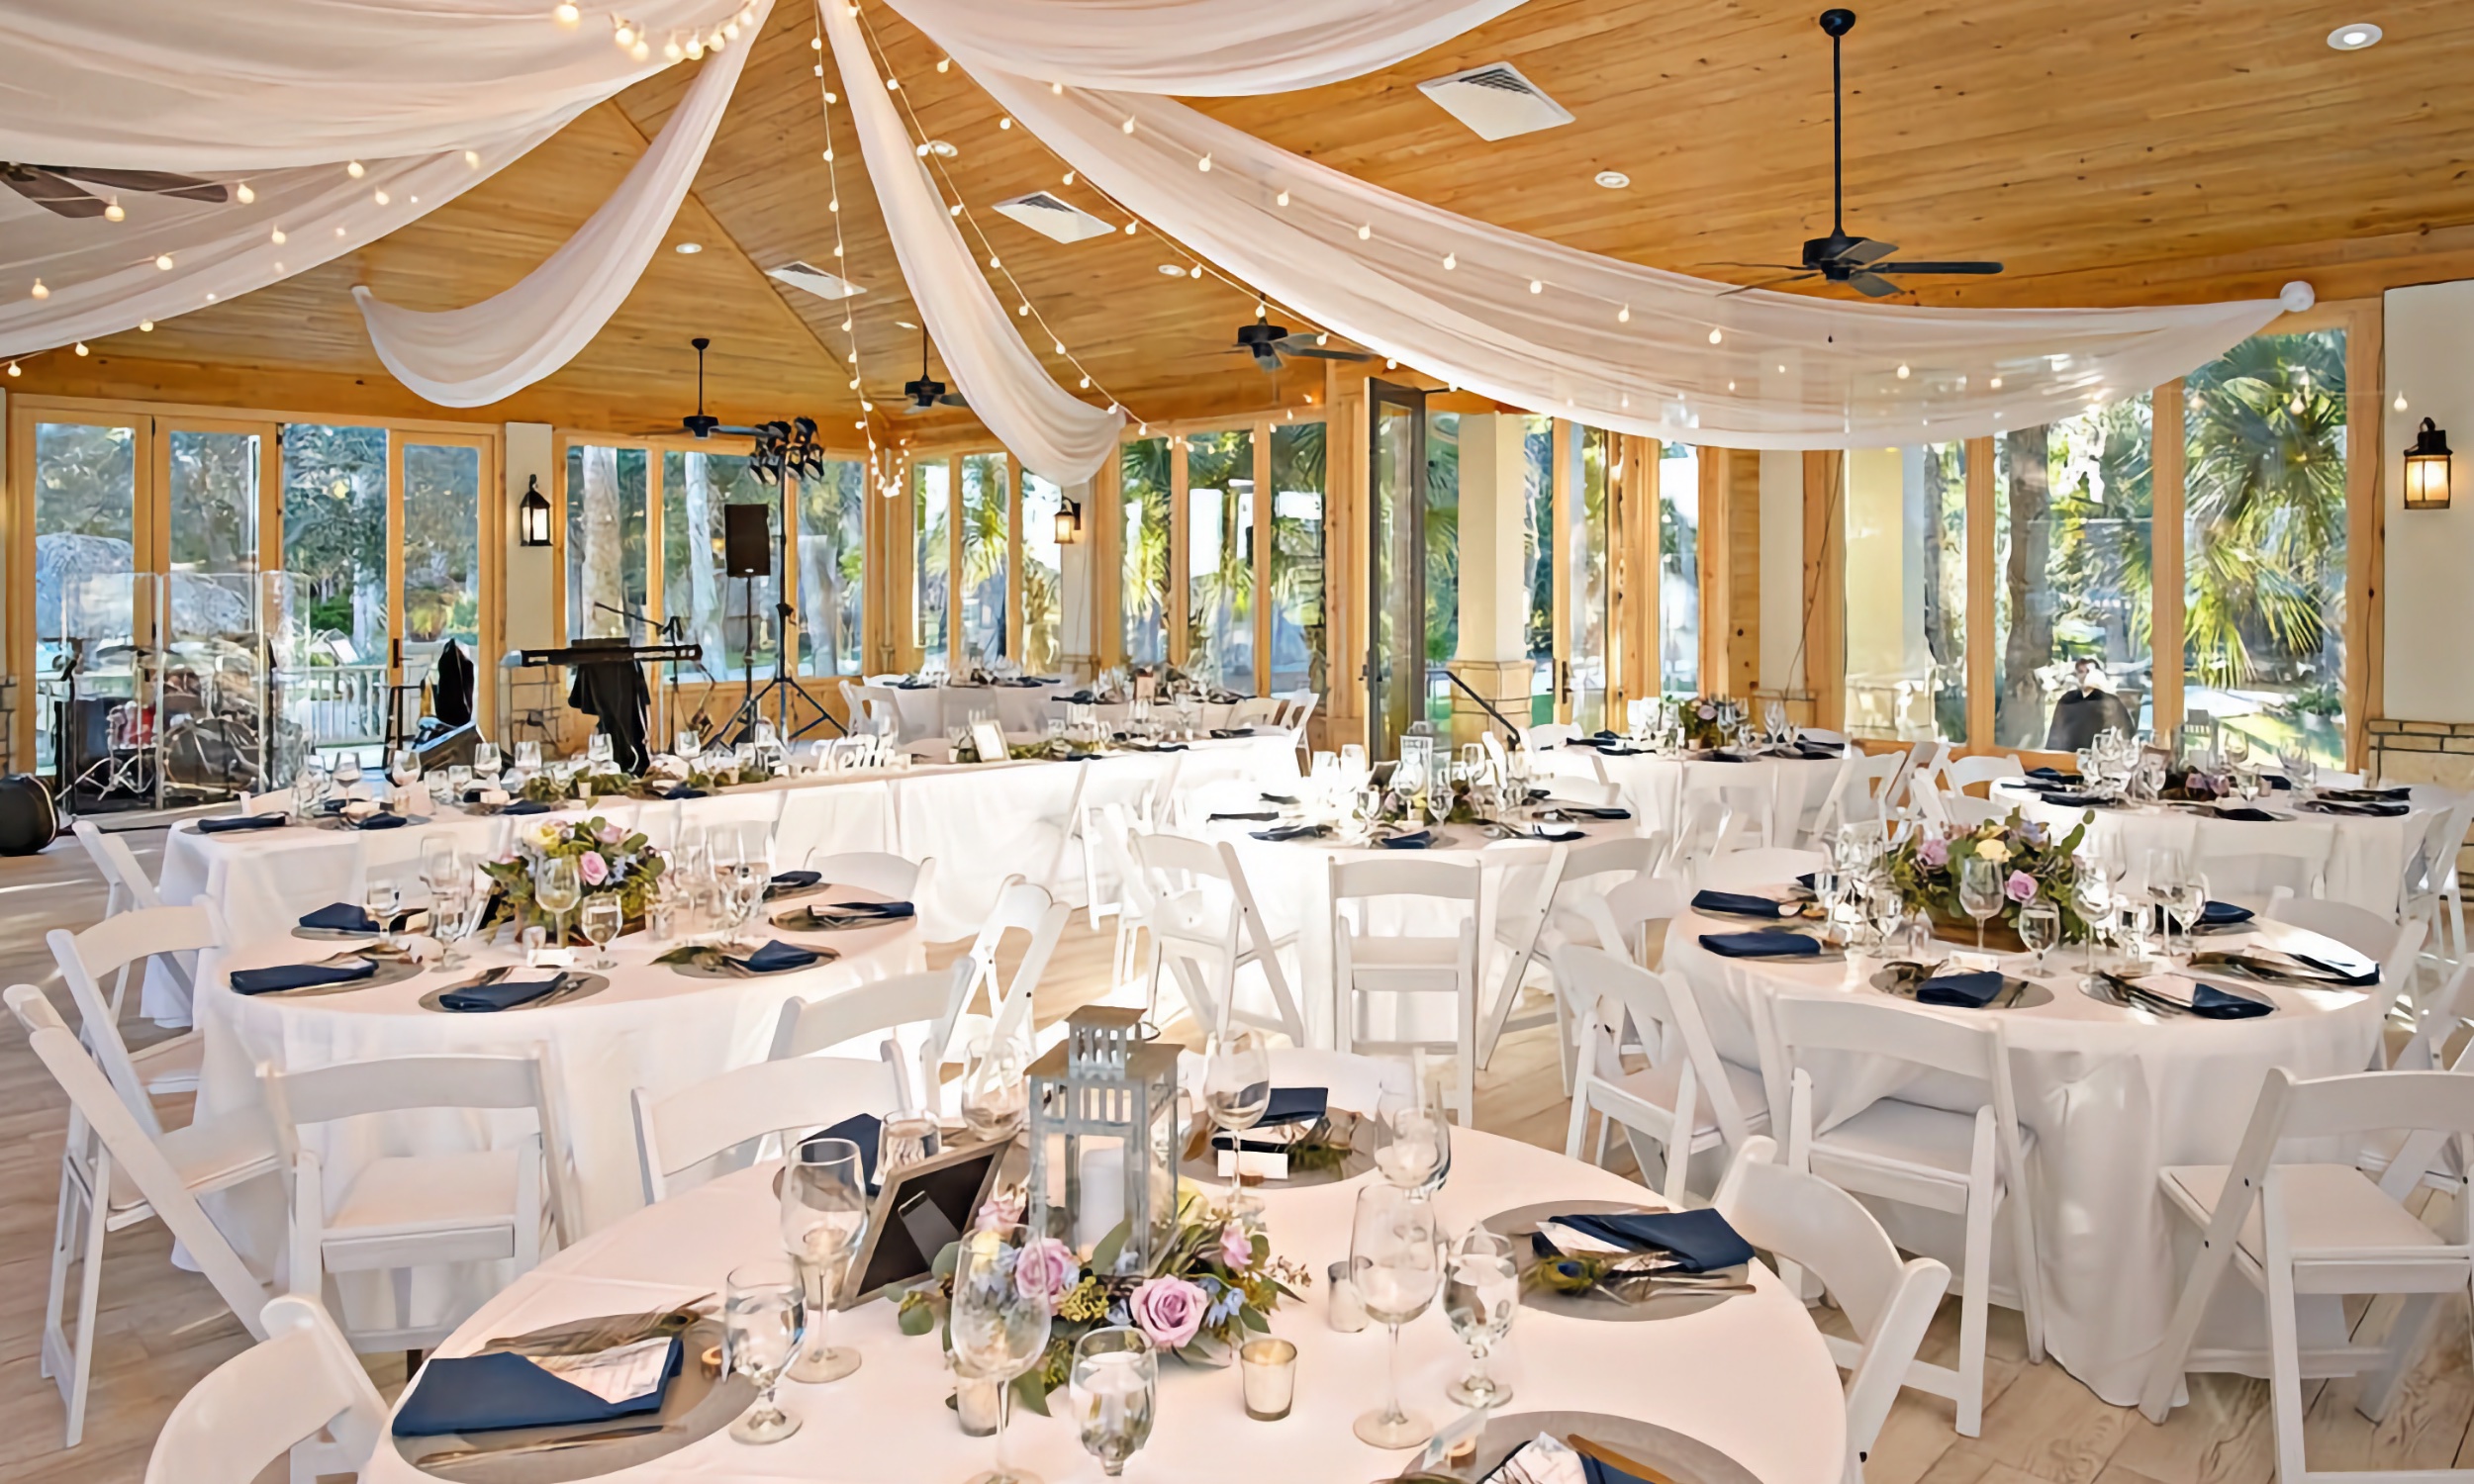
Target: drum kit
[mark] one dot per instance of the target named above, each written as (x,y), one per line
(179,723)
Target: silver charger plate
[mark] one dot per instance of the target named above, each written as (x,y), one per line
(824,955)
(1687,1461)
(700,1402)
(1516,1223)
(579,985)
(334,935)
(2017,993)
(804,921)
(1365,1135)
(390,971)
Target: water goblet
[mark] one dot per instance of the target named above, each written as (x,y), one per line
(1393,1253)
(993,1095)
(764,1320)
(999,1325)
(1236,1089)
(1420,1150)
(824,1219)
(485,761)
(1114,1391)
(2091,894)
(528,757)
(2040,928)
(556,888)
(451,914)
(1979,891)
(1480,1292)
(309,785)
(380,898)
(604,915)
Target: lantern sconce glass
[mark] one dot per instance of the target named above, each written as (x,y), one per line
(1069,522)
(532,516)
(2427,469)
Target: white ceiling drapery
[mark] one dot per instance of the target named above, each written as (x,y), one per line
(1056,436)
(477,354)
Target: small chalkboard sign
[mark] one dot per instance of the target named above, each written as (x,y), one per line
(919,1210)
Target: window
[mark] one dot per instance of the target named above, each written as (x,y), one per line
(1443,563)
(1679,569)
(607,505)
(732,617)
(1907,593)
(930,496)
(442,546)
(986,549)
(2264,513)
(1219,559)
(1296,574)
(2071,561)
(86,561)
(1043,578)
(833,546)
(1590,630)
(1538,561)
(1143,494)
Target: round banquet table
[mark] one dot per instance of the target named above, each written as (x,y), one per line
(2364,871)
(1749,1376)
(2112,1096)
(1791,788)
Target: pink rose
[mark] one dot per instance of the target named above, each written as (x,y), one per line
(612,834)
(1000,1210)
(1046,1269)
(1933,853)
(593,868)
(1169,1311)
(2021,886)
(1236,1247)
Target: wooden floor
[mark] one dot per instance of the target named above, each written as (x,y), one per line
(162,1328)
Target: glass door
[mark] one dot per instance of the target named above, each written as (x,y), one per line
(216,725)
(438,567)
(1585,662)
(1395,508)
(80,478)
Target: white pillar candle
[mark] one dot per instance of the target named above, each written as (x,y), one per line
(1104,1193)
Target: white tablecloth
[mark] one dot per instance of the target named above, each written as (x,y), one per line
(1749,1376)
(928,711)
(1790,790)
(2112,1095)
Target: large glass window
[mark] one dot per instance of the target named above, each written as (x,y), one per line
(1907,593)
(1296,576)
(442,546)
(930,502)
(607,500)
(2071,563)
(1589,630)
(1538,562)
(2264,543)
(732,617)
(85,555)
(1443,563)
(334,534)
(1143,494)
(1043,578)
(986,549)
(1219,559)
(832,545)
(1679,570)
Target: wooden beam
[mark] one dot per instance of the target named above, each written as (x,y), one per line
(1982,642)
(1742,619)
(1717,562)
(1825,586)
(2167,464)
(2366,530)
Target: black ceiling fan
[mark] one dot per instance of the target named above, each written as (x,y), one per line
(927,394)
(55,188)
(701,423)
(1838,257)
(1268,343)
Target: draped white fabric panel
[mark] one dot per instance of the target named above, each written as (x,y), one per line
(475,355)
(1594,339)
(1057,436)
(1192,48)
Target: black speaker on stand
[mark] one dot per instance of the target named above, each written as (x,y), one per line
(747,554)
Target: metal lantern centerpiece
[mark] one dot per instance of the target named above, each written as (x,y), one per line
(1103,1107)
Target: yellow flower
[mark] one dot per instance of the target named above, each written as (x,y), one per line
(1993,850)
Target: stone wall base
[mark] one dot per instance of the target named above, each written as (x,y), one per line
(2425,752)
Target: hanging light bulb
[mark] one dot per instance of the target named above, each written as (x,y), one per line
(672,49)
(1022,311)
(731,30)
(1364,230)
(2400,402)
(991,260)
(1995,383)
(1322,339)
(379,196)
(113,212)
(565,13)
(828,154)
(146,325)
(1450,261)
(892,84)
(1194,273)
(1128,126)
(472,158)
(1389,364)
(12,371)
(163,261)
(81,347)
(1060,347)
(1203,165)
(277,237)
(623,30)
(815,43)
(241,190)
(695,51)
(1717,336)
(715,41)
(1624,315)
(1903,373)
(944,63)
(1085,383)
(1069,177)
(1006,123)
(1129,229)
(1280,200)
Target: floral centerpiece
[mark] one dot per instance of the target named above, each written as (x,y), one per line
(1215,1281)
(2033,864)
(607,859)
(1705,720)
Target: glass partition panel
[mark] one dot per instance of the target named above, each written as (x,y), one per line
(1296,574)
(1042,576)
(1907,593)
(1219,559)
(441,549)
(1679,569)
(1143,494)
(732,617)
(931,502)
(334,540)
(1538,562)
(608,514)
(832,544)
(985,556)
(85,552)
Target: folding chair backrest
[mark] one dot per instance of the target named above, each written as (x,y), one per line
(131,936)
(1704,825)
(1636,855)
(1117,847)
(1549,735)
(302,1380)
(1769,866)
(1030,910)
(130,885)
(2252,858)
(1874,1028)
(1657,1004)
(1619,913)
(891,876)
(1385,876)
(1926,796)
(720,1114)
(2364,931)
(1963,774)
(395,1084)
(932,1000)
(1256,710)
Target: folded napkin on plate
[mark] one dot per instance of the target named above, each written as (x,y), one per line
(1418,840)
(792,880)
(339,917)
(678,792)
(1771,943)
(1592,812)
(500,1390)
(777,957)
(1079,699)
(2073,800)
(1558,837)
(2223,914)
(532,806)
(242,822)
(2368,795)
(1279,799)
(2212,1003)
(2242,813)
(383,822)
(2054,775)
(506,994)
(1224,733)
(1701,1239)
(885,910)
(1293,832)
(299,976)
(1720,756)
(1819,750)
(1806,881)
(2275,780)
(1294,1105)
(2359,810)
(1741,903)
(1257,816)
(2350,977)
(1965,991)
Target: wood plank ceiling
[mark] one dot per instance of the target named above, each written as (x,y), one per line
(2110,152)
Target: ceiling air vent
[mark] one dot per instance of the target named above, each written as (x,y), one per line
(1050,218)
(815,280)
(1495,101)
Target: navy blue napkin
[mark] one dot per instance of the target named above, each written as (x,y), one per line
(2359,810)
(1728,757)
(1548,832)
(778,957)
(1592,811)
(2221,915)
(1965,991)
(2368,795)
(2243,813)
(1806,881)
(339,917)
(383,822)
(1079,699)
(299,976)
(226,822)
(1595,1471)
(1739,903)
(1279,799)
(532,806)
(2276,780)
(2074,801)
(682,791)
(2054,775)
(506,994)
(2212,1003)
(795,881)
(863,1129)
(1701,1239)
(2353,979)
(1257,816)
(1293,832)
(500,1390)
(1417,841)
(1224,733)
(1294,1105)
(885,910)
(1773,943)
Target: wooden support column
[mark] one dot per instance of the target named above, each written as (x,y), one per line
(1741,619)
(1635,560)
(1104,527)
(1717,571)
(1980,638)
(1825,586)
(2168,471)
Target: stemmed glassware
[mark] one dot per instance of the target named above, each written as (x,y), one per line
(1236,1089)
(485,762)
(825,1218)
(451,919)
(1115,1390)
(1979,891)
(993,1096)
(309,785)
(1480,1292)
(999,1325)
(604,915)
(380,898)
(2092,896)
(764,1320)
(1393,1251)
(2040,928)
(1421,1142)
(556,888)
(1829,888)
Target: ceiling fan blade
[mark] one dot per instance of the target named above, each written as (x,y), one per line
(153,182)
(1866,251)
(1927,267)
(1872,285)
(53,193)
(1269,363)
(913,409)
(1766,283)
(1320,353)
(953,399)
(1783,267)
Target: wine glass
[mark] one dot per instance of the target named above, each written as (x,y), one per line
(1829,888)
(2186,904)
(380,898)
(1392,1250)
(450,920)
(1775,718)
(556,888)
(527,757)
(748,882)
(1236,1089)
(308,786)
(825,1218)
(1979,891)
(764,1320)
(485,761)
(2163,885)
(998,1325)
(2092,895)
(2040,928)
(1115,1390)
(1480,1291)
(404,767)
(347,770)
(993,1097)
(597,751)
(1420,1146)
(603,917)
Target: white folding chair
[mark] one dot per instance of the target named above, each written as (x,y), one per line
(1139,798)
(1256,710)
(1805,1220)
(1747,792)
(1925,759)
(1369,959)
(118,945)
(707,1121)
(1771,865)
(2301,1229)
(1206,927)
(1597,794)
(2436,1021)
(1924,795)
(1622,915)
(2431,888)
(1686,1100)
(922,1012)
(878,710)
(1029,910)
(1705,828)
(128,886)
(1972,1165)
(300,1391)
(1562,918)
(403,1212)
(114,1175)
(889,876)
(1301,705)
(2250,860)
(2396,946)
(1548,734)
(1520,921)
(1135,954)
(1864,790)
(1963,774)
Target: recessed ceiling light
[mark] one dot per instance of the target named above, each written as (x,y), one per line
(689,248)
(906,324)
(942,149)
(1172,270)
(2356,36)
(1613,180)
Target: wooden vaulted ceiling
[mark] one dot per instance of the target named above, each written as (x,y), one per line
(2110,152)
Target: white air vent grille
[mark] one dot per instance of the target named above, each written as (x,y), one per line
(1051,217)
(815,280)
(1495,101)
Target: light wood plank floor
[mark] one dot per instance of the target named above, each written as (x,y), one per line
(162,1328)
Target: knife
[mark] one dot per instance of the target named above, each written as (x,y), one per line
(453,1457)
(1613,1460)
